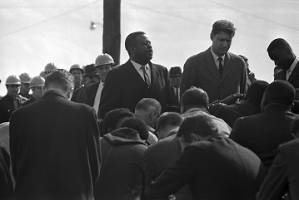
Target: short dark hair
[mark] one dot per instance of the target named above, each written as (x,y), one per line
(223,26)
(113,118)
(131,40)
(195,97)
(136,124)
(279,91)
(61,78)
(256,91)
(278,44)
(169,119)
(200,124)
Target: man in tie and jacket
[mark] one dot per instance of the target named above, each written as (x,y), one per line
(217,71)
(136,79)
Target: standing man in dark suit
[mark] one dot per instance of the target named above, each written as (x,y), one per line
(287,65)
(136,79)
(53,145)
(217,71)
(214,167)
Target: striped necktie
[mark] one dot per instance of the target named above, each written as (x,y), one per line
(145,76)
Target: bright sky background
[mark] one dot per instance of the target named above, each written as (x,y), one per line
(36,32)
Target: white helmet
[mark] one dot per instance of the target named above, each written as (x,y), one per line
(48,69)
(104,59)
(74,67)
(25,78)
(37,81)
(13,80)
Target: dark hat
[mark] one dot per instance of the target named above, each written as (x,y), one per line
(175,71)
(89,70)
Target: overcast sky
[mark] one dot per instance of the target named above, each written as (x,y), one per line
(36,32)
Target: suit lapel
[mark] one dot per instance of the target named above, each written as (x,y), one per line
(294,74)
(154,74)
(134,73)
(93,93)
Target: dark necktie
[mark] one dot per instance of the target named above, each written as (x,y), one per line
(145,76)
(220,68)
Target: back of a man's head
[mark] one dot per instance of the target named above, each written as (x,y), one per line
(59,80)
(279,92)
(197,126)
(194,98)
(167,123)
(113,118)
(169,119)
(136,124)
(255,92)
(148,109)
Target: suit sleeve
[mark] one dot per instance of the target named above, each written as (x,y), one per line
(167,89)
(189,76)
(237,131)
(92,145)
(275,184)
(6,188)
(13,145)
(244,77)
(111,96)
(174,177)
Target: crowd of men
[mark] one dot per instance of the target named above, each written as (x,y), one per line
(138,131)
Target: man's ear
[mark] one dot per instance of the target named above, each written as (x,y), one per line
(153,116)
(211,36)
(69,94)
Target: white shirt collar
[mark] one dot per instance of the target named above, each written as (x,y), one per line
(291,69)
(216,57)
(138,66)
